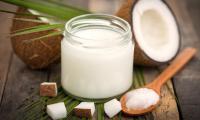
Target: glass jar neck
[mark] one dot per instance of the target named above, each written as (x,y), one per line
(97,31)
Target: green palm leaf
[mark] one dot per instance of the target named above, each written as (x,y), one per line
(28,20)
(63,12)
(44,36)
(23,14)
(60,11)
(38,28)
(100,111)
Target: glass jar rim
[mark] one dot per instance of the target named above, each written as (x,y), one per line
(126,26)
(98,21)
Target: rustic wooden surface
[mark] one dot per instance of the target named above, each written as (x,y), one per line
(187,82)
(18,82)
(167,110)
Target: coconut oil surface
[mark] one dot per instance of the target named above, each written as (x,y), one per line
(96,68)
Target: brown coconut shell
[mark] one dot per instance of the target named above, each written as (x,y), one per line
(36,54)
(48,89)
(83,112)
(140,57)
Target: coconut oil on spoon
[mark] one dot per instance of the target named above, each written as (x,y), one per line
(143,100)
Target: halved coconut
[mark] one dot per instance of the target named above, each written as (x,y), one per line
(37,54)
(155,30)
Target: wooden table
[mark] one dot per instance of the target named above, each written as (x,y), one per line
(17,81)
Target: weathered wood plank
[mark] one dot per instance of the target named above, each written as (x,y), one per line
(21,83)
(193,10)
(188,80)
(5,46)
(55,73)
(167,110)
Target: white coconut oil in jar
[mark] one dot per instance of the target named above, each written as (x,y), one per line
(96,56)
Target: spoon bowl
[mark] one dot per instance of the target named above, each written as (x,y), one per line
(133,111)
(156,85)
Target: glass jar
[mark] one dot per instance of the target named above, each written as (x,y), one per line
(96,56)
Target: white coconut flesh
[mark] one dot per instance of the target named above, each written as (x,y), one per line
(155,30)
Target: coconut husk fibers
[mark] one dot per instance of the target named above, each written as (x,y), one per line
(140,58)
(36,54)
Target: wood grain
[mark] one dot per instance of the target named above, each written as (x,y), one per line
(167,110)
(188,80)
(5,46)
(175,66)
(193,10)
(21,83)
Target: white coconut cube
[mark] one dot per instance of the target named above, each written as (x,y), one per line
(57,110)
(112,107)
(85,109)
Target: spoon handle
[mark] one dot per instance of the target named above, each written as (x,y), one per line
(173,68)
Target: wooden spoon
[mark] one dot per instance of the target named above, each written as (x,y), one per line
(156,85)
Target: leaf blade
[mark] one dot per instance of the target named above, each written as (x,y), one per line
(44,36)
(23,14)
(38,28)
(60,11)
(100,112)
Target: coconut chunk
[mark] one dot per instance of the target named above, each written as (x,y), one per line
(112,107)
(57,110)
(48,89)
(85,109)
